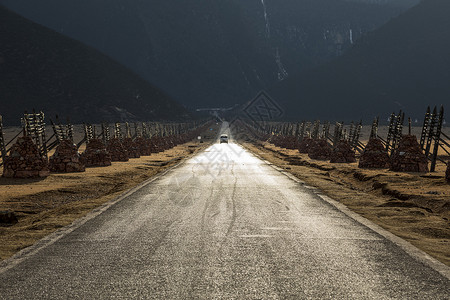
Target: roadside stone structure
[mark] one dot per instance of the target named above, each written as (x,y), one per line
(25,160)
(8,218)
(290,142)
(96,154)
(320,150)
(286,142)
(169,142)
(272,139)
(66,158)
(132,148)
(117,150)
(163,144)
(304,145)
(158,144)
(176,140)
(408,157)
(343,153)
(374,156)
(145,148)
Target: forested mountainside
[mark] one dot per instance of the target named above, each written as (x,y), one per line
(402,65)
(213,53)
(44,70)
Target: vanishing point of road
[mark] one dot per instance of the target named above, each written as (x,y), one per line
(222,225)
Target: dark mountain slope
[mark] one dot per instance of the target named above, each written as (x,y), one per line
(400,3)
(403,65)
(211,53)
(42,69)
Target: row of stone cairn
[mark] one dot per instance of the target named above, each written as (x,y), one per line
(25,161)
(318,149)
(408,157)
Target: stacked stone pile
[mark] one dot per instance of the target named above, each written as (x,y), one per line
(132,148)
(154,148)
(174,141)
(25,161)
(158,144)
(144,145)
(66,158)
(178,140)
(164,144)
(182,139)
(374,156)
(319,149)
(274,139)
(262,137)
(278,140)
(117,150)
(304,145)
(8,218)
(447,173)
(289,142)
(169,142)
(408,157)
(342,153)
(96,154)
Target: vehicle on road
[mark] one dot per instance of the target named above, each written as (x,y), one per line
(224,138)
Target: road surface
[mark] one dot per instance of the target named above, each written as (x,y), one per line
(222,225)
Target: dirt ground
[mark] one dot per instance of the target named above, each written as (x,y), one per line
(44,205)
(415,207)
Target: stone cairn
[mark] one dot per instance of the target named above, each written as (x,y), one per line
(176,140)
(159,144)
(304,145)
(274,139)
(145,148)
(163,144)
(25,161)
(374,156)
(343,153)
(66,158)
(447,173)
(169,142)
(8,218)
(117,150)
(408,157)
(132,148)
(155,144)
(290,142)
(96,154)
(319,149)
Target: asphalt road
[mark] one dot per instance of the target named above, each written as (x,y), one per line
(222,225)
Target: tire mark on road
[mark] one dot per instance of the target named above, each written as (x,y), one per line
(205,208)
(196,281)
